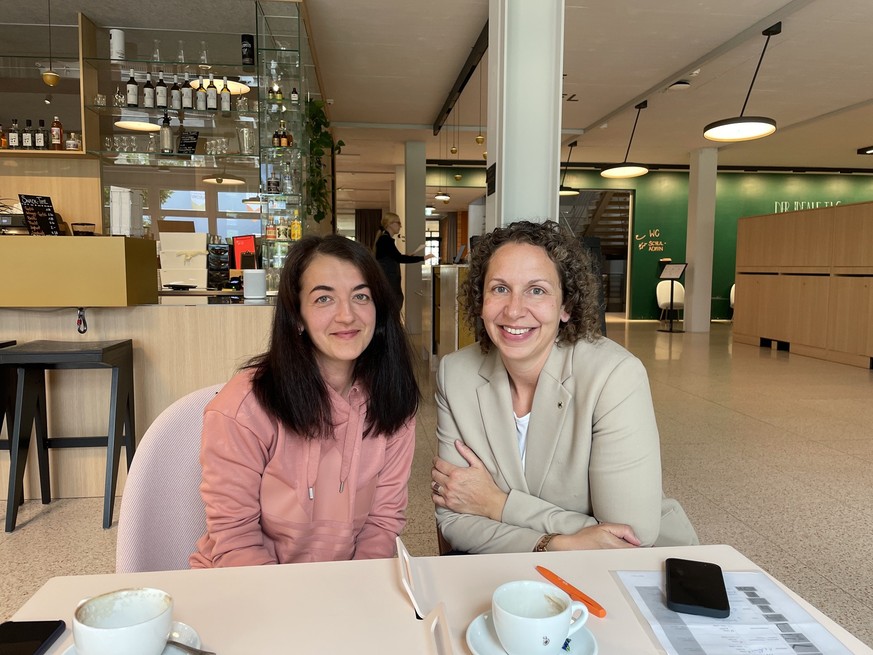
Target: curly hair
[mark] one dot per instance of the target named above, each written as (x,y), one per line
(579,285)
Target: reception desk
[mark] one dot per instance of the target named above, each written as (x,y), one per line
(176,349)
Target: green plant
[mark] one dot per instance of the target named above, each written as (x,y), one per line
(321,144)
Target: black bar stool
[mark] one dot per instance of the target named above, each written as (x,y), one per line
(31,361)
(7,398)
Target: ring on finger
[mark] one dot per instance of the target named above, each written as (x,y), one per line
(437,488)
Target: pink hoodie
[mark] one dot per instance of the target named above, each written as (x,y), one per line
(272,497)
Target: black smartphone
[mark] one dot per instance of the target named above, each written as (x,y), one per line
(696,588)
(29,637)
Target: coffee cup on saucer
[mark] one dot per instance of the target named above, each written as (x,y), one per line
(130,621)
(534,618)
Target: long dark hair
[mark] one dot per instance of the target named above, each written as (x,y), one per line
(287,381)
(579,284)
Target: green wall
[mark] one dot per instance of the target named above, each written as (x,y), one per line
(660,212)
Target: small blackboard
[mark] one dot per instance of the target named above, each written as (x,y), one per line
(39,214)
(188,143)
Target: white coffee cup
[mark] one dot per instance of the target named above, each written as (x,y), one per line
(534,618)
(254,283)
(116,45)
(129,621)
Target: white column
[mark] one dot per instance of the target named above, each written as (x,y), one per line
(700,239)
(525,65)
(411,209)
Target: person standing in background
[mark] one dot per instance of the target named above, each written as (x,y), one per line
(389,257)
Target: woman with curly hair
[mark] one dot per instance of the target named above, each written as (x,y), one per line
(547,435)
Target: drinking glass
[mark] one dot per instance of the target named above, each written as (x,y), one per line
(99,100)
(107,143)
(118,143)
(153,143)
(118,100)
(156,52)
(204,56)
(180,53)
(242,104)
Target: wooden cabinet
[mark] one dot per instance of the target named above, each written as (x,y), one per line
(805,280)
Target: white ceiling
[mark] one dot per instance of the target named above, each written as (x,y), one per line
(388,66)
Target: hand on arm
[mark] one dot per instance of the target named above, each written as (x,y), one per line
(603,535)
(466,490)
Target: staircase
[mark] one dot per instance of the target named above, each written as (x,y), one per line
(600,213)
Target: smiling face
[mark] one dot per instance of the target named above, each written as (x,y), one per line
(522,305)
(338,314)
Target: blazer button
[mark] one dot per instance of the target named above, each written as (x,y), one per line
(560,404)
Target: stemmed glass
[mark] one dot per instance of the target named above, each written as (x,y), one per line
(204,56)
(180,53)
(156,52)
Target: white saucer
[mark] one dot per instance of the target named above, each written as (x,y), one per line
(181,632)
(482,639)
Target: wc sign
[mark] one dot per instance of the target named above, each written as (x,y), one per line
(650,241)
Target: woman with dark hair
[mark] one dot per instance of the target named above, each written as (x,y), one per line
(307,451)
(389,257)
(547,435)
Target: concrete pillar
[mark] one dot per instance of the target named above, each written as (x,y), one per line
(700,239)
(525,66)
(409,200)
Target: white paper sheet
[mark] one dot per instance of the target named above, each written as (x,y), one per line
(764,620)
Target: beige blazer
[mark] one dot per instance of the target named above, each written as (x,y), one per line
(592,448)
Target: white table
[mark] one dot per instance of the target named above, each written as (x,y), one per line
(360,608)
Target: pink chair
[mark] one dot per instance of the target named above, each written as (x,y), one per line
(162,515)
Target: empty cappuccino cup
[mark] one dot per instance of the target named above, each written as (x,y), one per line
(129,621)
(534,618)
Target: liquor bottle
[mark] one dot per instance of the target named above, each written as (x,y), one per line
(148,92)
(211,94)
(57,132)
(247,49)
(296,229)
(132,91)
(14,136)
(295,97)
(27,136)
(225,98)
(175,93)
(200,100)
(283,134)
(4,143)
(287,182)
(270,232)
(277,138)
(187,94)
(39,137)
(161,92)
(166,138)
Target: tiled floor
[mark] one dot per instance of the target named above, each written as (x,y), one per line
(768,452)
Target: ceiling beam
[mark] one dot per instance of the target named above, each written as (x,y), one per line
(464,76)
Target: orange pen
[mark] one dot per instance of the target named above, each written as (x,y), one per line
(593,606)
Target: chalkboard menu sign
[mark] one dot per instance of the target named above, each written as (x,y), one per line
(39,215)
(188,143)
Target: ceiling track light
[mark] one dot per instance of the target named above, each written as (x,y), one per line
(625,169)
(745,128)
(567,190)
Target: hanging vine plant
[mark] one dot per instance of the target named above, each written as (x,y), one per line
(321,144)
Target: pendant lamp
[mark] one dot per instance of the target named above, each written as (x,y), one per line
(625,169)
(224,179)
(567,190)
(745,128)
(49,77)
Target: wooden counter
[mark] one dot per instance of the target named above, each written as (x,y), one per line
(176,349)
(805,280)
(54,271)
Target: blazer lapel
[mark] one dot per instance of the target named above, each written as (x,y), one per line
(495,405)
(551,405)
